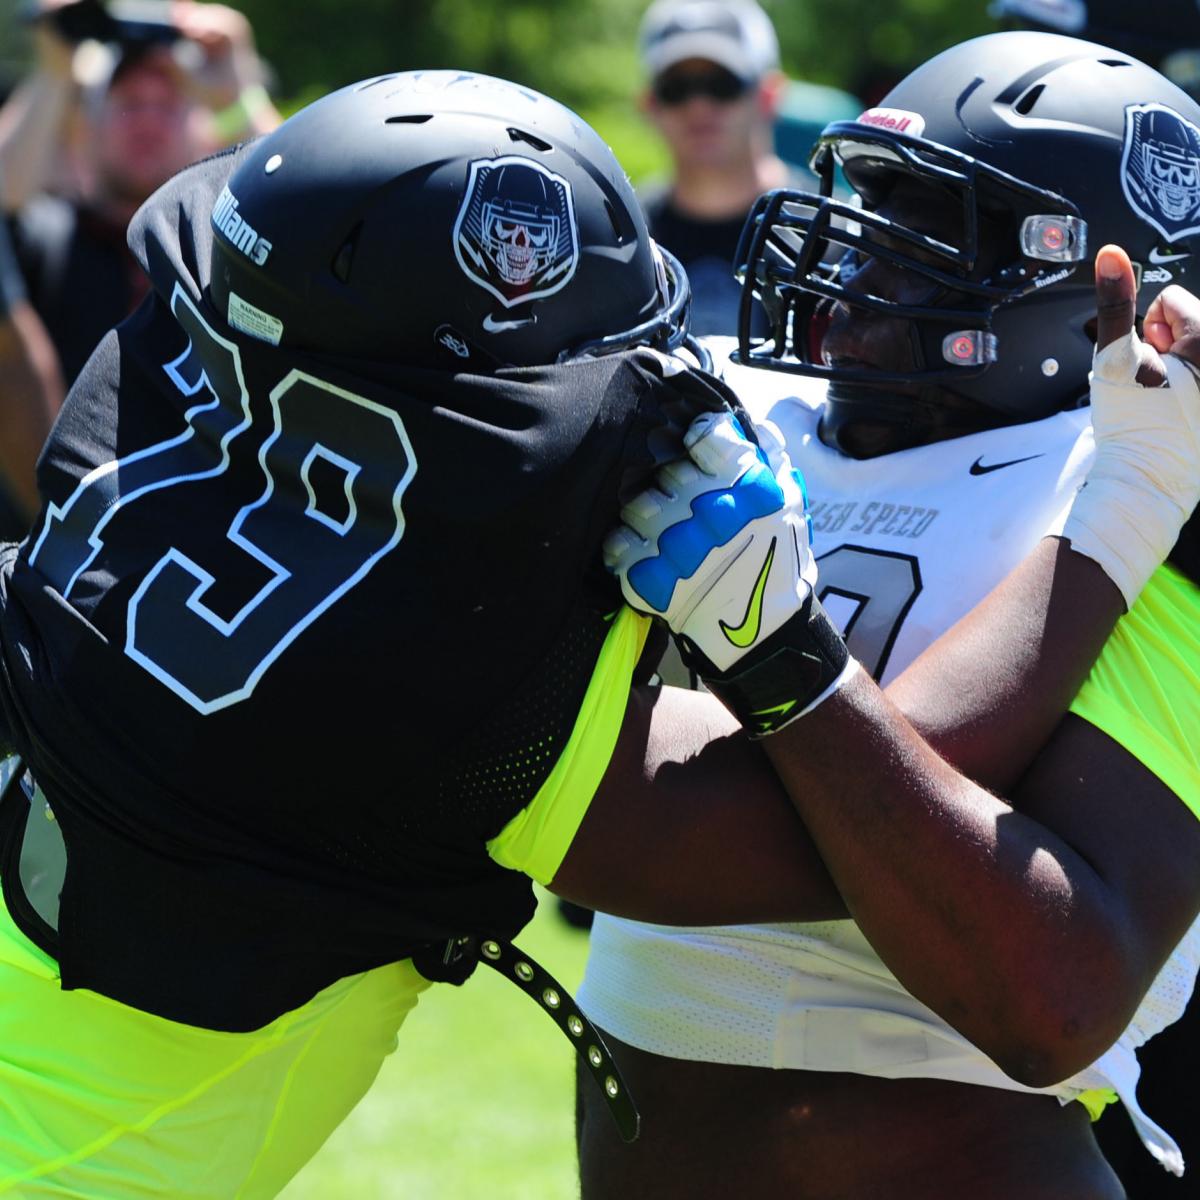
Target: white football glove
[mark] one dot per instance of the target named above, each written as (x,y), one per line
(1145,481)
(720,550)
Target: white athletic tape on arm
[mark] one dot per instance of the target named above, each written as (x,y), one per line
(1145,481)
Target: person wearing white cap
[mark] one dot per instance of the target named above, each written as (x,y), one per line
(714,88)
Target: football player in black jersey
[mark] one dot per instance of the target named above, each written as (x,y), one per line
(310,659)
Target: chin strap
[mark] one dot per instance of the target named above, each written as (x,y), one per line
(455,960)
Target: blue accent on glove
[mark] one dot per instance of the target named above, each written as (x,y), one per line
(717,518)
(654,579)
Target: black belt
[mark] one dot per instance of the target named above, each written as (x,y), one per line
(454,960)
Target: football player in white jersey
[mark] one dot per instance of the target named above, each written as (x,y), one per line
(954,340)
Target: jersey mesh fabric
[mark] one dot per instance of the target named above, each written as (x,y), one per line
(536,839)
(504,764)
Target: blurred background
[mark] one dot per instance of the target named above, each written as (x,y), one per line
(582,52)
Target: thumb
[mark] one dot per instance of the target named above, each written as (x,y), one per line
(1116,292)
(1116,311)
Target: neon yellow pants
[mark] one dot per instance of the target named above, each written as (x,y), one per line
(99,1101)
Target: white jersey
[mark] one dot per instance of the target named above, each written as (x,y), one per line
(906,544)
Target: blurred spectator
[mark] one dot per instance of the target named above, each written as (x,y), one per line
(29,389)
(714,90)
(96,128)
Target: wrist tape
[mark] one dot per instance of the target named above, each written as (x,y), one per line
(1145,481)
(794,670)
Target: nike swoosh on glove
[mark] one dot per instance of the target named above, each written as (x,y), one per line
(720,547)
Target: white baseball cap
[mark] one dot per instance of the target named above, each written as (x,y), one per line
(1068,15)
(734,34)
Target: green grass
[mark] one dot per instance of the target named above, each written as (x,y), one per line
(477,1102)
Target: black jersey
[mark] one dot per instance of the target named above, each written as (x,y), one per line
(292,637)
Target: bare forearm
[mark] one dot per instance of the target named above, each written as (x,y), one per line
(31,130)
(982,913)
(990,691)
(30,395)
(691,826)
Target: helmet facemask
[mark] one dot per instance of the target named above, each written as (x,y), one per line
(957,243)
(1038,149)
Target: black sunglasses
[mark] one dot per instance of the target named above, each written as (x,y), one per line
(719,85)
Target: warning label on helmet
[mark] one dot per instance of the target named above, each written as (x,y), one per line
(258,324)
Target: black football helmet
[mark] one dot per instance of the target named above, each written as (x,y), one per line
(444,219)
(1052,145)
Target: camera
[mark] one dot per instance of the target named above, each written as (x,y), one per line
(127,22)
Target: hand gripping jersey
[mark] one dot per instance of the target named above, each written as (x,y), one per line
(293,637)
(906,544)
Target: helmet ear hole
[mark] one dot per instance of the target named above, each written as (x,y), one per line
(522,135)
(343,260)
(615,221)
(1025,104)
